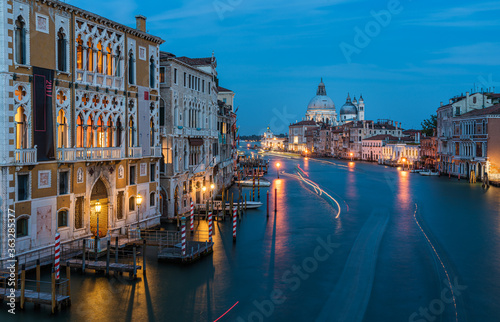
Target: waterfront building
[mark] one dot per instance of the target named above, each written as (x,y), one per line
(297,140)
(79,124)
(372,147)
(189,131)
(401,151)
(226,152)
(428,151)
(476,144)
(271,142)
(446,113)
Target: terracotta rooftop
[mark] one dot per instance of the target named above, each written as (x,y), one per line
(382,137)
(195,61)
(308,122)
(222,89)
(495,109)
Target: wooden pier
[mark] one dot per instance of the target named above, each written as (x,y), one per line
(194,251)
(102,266)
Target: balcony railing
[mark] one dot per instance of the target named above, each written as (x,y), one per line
(156,151)
(25,156)
(89,154)
(93,79)
(135,152)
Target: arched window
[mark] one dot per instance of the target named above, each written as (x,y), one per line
(100,58)
(79,53)
(152,72)
(118,132)
(118,60)
(62,218)
(109,61)
(20,41)
(131,68)
(100,133)
(90,56)
(61,51)
(21,129)
(90,133)
(131,204)
(79,131)
(62,130)
(131,133)
(162,112)
(22,227)
(152,199)
(152,132)
(109,133)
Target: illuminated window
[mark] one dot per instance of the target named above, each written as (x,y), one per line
(62,130)
(90,56)
(79,212)
(131,134)
(109,61)
(79,132)
(152,132)
(100,133)
(109,133)
(89,133)
(21,129)
(100,58)
(79,53)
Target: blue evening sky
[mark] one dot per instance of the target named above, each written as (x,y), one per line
(272,53)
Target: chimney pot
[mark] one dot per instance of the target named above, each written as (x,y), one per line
(140,22)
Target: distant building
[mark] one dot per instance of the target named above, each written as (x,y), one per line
(372,147)
(271,142)
(297,140)
(476,144)
(428,152)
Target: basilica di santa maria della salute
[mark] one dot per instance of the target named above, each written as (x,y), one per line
(322,109)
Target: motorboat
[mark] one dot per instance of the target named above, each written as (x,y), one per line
(258,183)
(429,173)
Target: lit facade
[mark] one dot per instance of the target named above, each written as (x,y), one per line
(80,123)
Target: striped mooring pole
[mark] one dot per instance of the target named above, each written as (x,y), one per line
(191,218)
(234,223)
(183,236)
(57,255)
(210,227)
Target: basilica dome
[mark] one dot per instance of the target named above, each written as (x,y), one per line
(321,101)
(349,108)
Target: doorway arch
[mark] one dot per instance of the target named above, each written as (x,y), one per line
(99,194)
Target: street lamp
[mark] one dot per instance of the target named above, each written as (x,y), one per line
(351,155)
(212,187)
(139,202)
(404,161)
(97,208)
(278,169)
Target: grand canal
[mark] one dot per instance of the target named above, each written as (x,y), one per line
(352,241)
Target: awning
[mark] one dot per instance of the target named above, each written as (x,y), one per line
(195,141)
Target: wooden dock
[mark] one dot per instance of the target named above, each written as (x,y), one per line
(101,266)
(35,297)
(194,251)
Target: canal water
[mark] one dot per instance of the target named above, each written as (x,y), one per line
(350,241)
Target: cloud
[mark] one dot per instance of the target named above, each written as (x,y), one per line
(482,54)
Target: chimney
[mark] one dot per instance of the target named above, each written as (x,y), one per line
(140,22)
(441,103)
(451,101)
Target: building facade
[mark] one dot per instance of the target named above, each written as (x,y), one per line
(80,123)
(297,140)
(189,131)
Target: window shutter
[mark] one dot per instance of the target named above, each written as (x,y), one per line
(23,46)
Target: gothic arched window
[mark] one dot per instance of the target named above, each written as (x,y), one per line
(20,41)
(79,131)
(152,70)
(21,129)
(131,68)
(61,51)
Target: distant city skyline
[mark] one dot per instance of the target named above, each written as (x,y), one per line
(405,57)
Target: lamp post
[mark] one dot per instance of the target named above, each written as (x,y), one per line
(212,187)
(139,202)
(278,169)
(351,155)
(404,161)
(203,189)
(97,212)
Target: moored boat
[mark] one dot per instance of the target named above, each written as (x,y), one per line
(249,183)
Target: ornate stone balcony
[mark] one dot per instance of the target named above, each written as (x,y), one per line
(135,152)
(25,156)
(89,154)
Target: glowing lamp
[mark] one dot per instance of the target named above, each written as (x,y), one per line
(139,199)
(97,206)
(212,186)
(204,188)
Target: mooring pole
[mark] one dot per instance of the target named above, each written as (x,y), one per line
(275,201)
